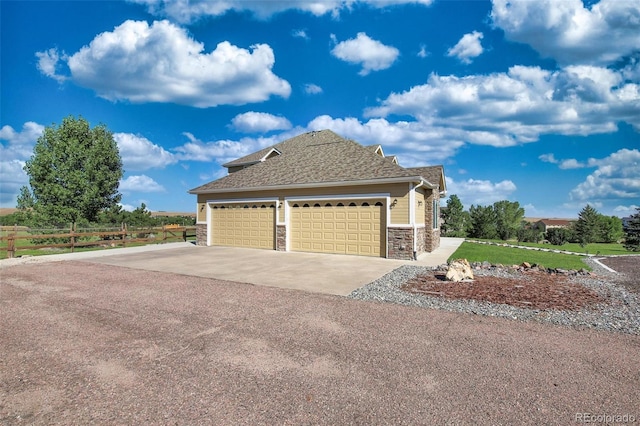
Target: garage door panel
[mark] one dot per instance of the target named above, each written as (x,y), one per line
(352,228)
(240,226)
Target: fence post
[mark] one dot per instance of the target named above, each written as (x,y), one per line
(184,234)
(11,243)
(72,225)
(164,233)
(124,234)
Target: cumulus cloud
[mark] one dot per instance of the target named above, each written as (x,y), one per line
(15,148)
(48,61)
(505,109)
(571,32)
(480,192)
(139,153)
(467,48)
(138,62)
(616,177)
(186,11)
(418,143)
(222,151)
(258,122)
(363,50)
(312,89)
(140,183)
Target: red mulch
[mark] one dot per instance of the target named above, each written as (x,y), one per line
(537,290)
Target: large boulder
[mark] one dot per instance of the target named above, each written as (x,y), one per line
(459,270)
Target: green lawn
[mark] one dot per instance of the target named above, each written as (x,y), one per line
(514,256)
(604,249)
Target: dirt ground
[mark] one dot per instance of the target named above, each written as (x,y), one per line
(86,343)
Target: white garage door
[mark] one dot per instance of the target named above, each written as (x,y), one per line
(342,227)
(243,225)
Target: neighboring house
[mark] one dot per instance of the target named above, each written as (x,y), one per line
(545,224)
(318,192)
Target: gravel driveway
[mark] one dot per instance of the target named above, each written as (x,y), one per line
(97,344)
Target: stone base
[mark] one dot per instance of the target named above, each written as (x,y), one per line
(281,238)
(201,234)
(400,243)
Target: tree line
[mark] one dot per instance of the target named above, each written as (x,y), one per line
(504,220)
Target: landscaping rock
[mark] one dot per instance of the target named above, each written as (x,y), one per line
(459,270)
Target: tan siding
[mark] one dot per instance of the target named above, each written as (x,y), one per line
(420,200)
(201,212)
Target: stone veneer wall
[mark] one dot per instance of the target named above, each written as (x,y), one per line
(400,242)
(421,241)
(281,237)
(432,236)
(201,234)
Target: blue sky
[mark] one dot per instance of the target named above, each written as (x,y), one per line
(535,102)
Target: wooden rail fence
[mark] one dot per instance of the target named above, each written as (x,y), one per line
(105,238)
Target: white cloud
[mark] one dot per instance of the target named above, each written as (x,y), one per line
(548,158)
(616,177)
(626,210)
(140,183)
(371,54)
(571,32)
(312,89)
(467,48)
(416,144)
(48,63)
(222,151)
(423,52)
(480,192)
(19,145)
(505,109)
(15,149)
(187,11)
(259,122)
(139,153)
(300,34)
(162,63)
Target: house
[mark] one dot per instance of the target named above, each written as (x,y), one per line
(319,192)
(545,224)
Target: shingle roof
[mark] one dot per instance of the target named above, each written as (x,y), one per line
(311,158)
(432,174)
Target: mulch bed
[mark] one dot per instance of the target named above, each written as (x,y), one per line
(534,290)
(628,268)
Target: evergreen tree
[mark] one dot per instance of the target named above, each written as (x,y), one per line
(587,227)
(453,218)
(632,232)
(509,216)
(483,222)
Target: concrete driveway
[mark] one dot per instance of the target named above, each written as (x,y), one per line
(318,273)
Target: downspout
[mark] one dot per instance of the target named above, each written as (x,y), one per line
(413,221)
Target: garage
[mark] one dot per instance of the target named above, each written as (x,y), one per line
(243,225)
(341,227)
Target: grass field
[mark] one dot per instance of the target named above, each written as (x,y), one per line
(515,256)
(604,249)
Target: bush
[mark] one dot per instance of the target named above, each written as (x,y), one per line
(558,236)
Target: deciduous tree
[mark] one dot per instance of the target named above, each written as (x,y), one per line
(74,171)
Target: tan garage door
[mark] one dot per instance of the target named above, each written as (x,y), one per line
(243,225)
(343,227)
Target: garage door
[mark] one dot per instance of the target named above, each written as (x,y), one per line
(243,225)
(345,227)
